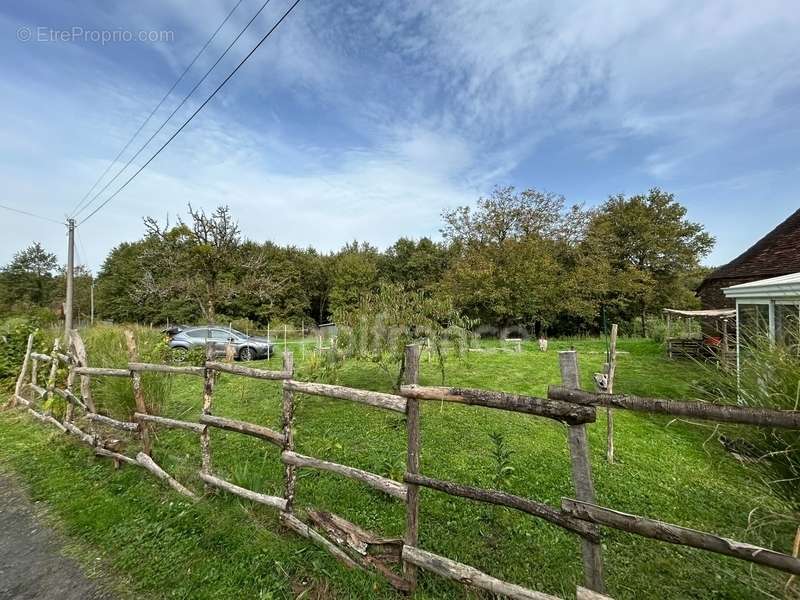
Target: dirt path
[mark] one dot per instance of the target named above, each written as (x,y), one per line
(31,564)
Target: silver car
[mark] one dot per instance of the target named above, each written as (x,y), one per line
(246,347)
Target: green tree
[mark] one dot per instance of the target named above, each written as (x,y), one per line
(353,272)
(28,280)
(510,262)
(652,248)
(417,265)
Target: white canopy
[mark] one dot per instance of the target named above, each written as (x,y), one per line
(785,286)
(719,313)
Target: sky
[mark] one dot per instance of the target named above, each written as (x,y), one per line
(365,120)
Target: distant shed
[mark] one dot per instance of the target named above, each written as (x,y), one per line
(774,255)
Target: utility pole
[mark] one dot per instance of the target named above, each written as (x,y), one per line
(70,273)
(91,304)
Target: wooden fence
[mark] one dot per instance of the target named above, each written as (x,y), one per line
(395,559)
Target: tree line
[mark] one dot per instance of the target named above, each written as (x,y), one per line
(515,259)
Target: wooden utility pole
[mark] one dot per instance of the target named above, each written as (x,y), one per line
(91,305)
(70,274)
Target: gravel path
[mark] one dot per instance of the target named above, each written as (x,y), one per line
(31,564)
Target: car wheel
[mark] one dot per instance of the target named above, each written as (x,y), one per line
(247,354)
(179,354)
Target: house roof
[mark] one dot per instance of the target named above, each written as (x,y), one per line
(777,253)
(785,286)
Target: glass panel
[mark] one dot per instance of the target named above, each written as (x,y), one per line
(787,325)
(220,334)
(753,323)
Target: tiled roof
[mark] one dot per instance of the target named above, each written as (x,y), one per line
(777,253)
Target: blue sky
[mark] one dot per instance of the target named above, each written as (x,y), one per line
(365,120)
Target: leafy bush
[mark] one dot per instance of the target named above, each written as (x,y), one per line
(14,332)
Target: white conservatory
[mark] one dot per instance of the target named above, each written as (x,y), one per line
(767,307)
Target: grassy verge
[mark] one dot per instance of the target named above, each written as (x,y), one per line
(223,547)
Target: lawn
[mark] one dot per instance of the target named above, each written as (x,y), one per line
(163,546)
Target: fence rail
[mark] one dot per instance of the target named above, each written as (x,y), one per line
(352,545)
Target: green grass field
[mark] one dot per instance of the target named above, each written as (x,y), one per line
(160,545)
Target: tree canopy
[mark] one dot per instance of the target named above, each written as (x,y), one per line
(517,258)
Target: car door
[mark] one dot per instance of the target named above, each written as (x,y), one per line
(219,340)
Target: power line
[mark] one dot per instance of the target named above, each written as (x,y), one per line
(152,112)
(194,114)
(177,108)
(30,214)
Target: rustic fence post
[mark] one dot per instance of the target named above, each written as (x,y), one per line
(51,377)
(208,396)
(34,371)
(411,377)
(21,379)
(582,473)
(289,471)
(138,393)
(610,373)
(82,361)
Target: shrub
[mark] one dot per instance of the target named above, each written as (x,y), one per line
(14,332)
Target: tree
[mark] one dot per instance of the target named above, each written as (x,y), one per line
(416,265)
(353,273)
(509,266)
(28,278)
(652,249)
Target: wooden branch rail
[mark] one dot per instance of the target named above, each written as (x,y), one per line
(70,397)
(173,369)
(48,358)
(123,425)
(173,423)
(675,534)
(120,457)
(149,464)
(726,413)
(47,419)
(248,371)
(565,412)
(231,488)
(450,569)
(307,532)
(388,486)
(376,399)
(22,400)
(583,593)
(38,389)
(102,371)
(359,540)
(531,507)
(80,434)
(371,550)
(259,431)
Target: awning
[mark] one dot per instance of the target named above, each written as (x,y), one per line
(714,313)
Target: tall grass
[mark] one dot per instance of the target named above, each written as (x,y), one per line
(769,377)
(106,347)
